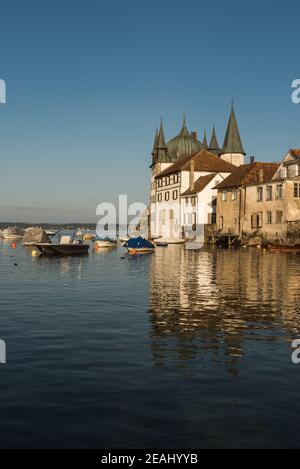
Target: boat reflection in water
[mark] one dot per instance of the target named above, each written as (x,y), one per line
(215,305)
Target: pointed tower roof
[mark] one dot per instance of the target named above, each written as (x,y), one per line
(232,141)
(161,143)
(154,151)
(214,146)
(183,144)
(205,141)
(155,140)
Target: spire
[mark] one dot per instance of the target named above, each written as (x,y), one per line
(205,141)
(232,141)
(214,146)
(154,151)
(161,143)
(162,148)
(184,130)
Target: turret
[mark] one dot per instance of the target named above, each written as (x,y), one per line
(233,150)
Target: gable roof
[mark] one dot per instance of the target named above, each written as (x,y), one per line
(200,184)
(249,174)
(203,161)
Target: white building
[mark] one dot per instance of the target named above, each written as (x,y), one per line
(184,172)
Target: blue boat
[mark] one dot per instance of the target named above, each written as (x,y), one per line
(139,245)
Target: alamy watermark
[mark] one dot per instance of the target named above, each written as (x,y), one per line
(296,93)
(2,92)
(2,352)
(166,220)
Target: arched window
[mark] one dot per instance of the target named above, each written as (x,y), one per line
(175,195)
(167,196)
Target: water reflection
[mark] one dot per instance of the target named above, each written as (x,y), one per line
(212,304)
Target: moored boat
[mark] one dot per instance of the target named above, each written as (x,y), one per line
(105,242)
(139,245)
(283,248)
(13,233)
(66,246)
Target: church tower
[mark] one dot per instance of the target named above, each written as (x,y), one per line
(233,150)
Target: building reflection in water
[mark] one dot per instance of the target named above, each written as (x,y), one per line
(209,305)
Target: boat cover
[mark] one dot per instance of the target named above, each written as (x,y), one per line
(138,243)
(35,235)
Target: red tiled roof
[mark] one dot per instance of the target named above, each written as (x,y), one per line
(203,161)
(249,174)
(200,184)
(295,152)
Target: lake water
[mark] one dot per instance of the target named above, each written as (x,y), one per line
(175,349)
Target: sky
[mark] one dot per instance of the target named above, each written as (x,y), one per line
(87,83)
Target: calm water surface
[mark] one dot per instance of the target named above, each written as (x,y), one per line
(176,349)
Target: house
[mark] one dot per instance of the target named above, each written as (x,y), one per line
(184,173)
(236,200)
(262,200)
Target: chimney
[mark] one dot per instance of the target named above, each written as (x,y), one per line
(192,175)
(252,159)
(194,134)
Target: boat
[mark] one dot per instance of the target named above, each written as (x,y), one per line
(35,235)
(66,246)
(170,240)
(105,242)
(283,248)
(161,244)
(88,236)
(139,245)
(13,233)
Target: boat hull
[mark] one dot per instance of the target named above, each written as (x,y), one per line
(140,250)
(51,250)
(105,244)
(283,248)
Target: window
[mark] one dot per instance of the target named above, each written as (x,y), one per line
(159,182)
(159,197)
(193,219)
(269,192)
(235,220)
(175,195)
(193,199)
(221,223)
(224,196)
(186,200)
(171,179)
(256,220)
(279,216)
(175,178)
(259,194)
(279,191)
(167,196)
(269,218)
(297,189)
(234,194)
(168,180)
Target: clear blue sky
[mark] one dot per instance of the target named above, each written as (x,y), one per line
(88,81)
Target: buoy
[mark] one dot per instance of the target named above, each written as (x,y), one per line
(133,252)
(14,245)
(34,253)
